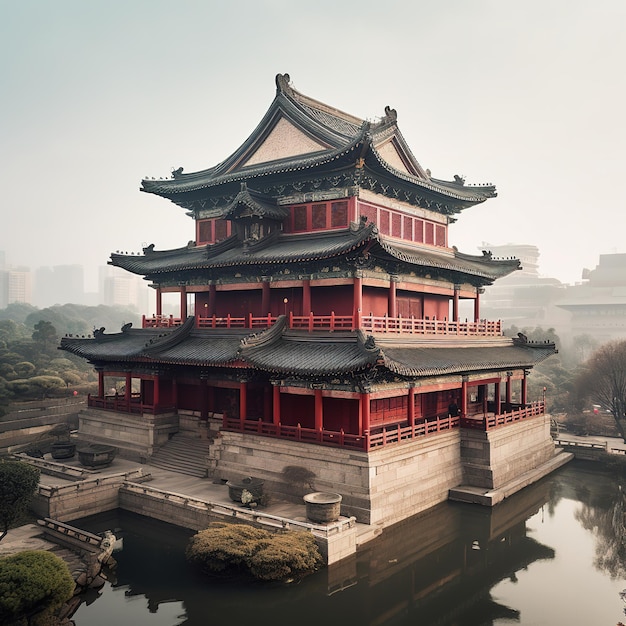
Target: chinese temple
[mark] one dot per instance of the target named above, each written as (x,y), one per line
(319,331)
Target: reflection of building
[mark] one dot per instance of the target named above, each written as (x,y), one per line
(325,331)
(523,298)
(598,305)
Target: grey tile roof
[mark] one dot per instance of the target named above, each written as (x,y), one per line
(299,353)
(306,247)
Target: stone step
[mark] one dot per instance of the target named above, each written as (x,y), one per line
(183,454)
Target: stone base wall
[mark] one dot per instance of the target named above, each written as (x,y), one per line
(381,487)
(136,436)
(495,457)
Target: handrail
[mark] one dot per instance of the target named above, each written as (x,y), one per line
(489,421)
(220,508)
(333,322)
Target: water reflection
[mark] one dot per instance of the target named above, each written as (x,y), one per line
(456,564)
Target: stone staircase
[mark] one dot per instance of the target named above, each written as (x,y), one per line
(183,453)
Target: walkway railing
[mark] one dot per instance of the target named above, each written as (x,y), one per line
(119,403)
(332,322)
(489,421)
(244,514)
(378,438)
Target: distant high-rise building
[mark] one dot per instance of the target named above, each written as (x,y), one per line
(117,288)
(15,286)
(598,304)
(60,284)
(523,298)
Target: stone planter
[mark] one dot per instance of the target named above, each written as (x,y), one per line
(96,455)
(253,485)
(63,450)
(323,506)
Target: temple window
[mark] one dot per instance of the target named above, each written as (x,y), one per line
(318,216)
(397,224)
(212,231)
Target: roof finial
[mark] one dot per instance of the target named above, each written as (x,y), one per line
(282,83)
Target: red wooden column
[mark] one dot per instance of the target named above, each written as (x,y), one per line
(319,411)
(265,296)
(524,389)
(175,393)
(496,397)
(411,407)
(477,304)
(393,302)
(358,300)
(455,303)
(211,399)
(364,413)
(306,296)
(159,301)
(508,391)
(156,393)
(183,302)
(464,397)
(276,403)
(128,390)
(243,404)
(204,398)
(211,307)
(100,384)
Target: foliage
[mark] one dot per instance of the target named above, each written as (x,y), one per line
(603,381)
(32,580)
(267,556)
(18,482)
(285,556)
(30,363)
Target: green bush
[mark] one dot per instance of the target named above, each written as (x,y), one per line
(267,556)
(30,581)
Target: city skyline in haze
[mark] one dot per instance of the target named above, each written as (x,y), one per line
(97,96)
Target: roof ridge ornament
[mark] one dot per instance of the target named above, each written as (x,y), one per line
(283,83)
(391,115)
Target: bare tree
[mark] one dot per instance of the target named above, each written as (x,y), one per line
(603,380)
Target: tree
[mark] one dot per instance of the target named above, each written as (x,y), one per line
(33,580)
(18,482)
(603,380)
(45,334)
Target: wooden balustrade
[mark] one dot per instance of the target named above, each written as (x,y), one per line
(332,322)
(489,421)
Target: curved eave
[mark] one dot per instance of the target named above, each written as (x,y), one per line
(489,270)
(440,361)
(188,183)
(305,356)
(288,248)
(467,196)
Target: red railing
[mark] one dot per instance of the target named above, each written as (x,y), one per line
(119,404)
(412,325)
(491,420)
(381,437)
(332,322)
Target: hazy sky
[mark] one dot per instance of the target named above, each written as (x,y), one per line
(97,94)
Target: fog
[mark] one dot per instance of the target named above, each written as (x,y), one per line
(98,95)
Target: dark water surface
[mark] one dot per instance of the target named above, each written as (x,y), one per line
(550,555)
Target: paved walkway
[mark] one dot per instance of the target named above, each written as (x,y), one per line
(30,537)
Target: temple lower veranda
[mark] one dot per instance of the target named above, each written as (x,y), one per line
(319,344)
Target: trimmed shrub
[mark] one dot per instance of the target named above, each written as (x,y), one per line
(34,580)
(285,556)
(265,555)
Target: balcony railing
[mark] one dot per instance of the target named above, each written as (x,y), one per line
(488,421)
(380,437)
(332,322)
